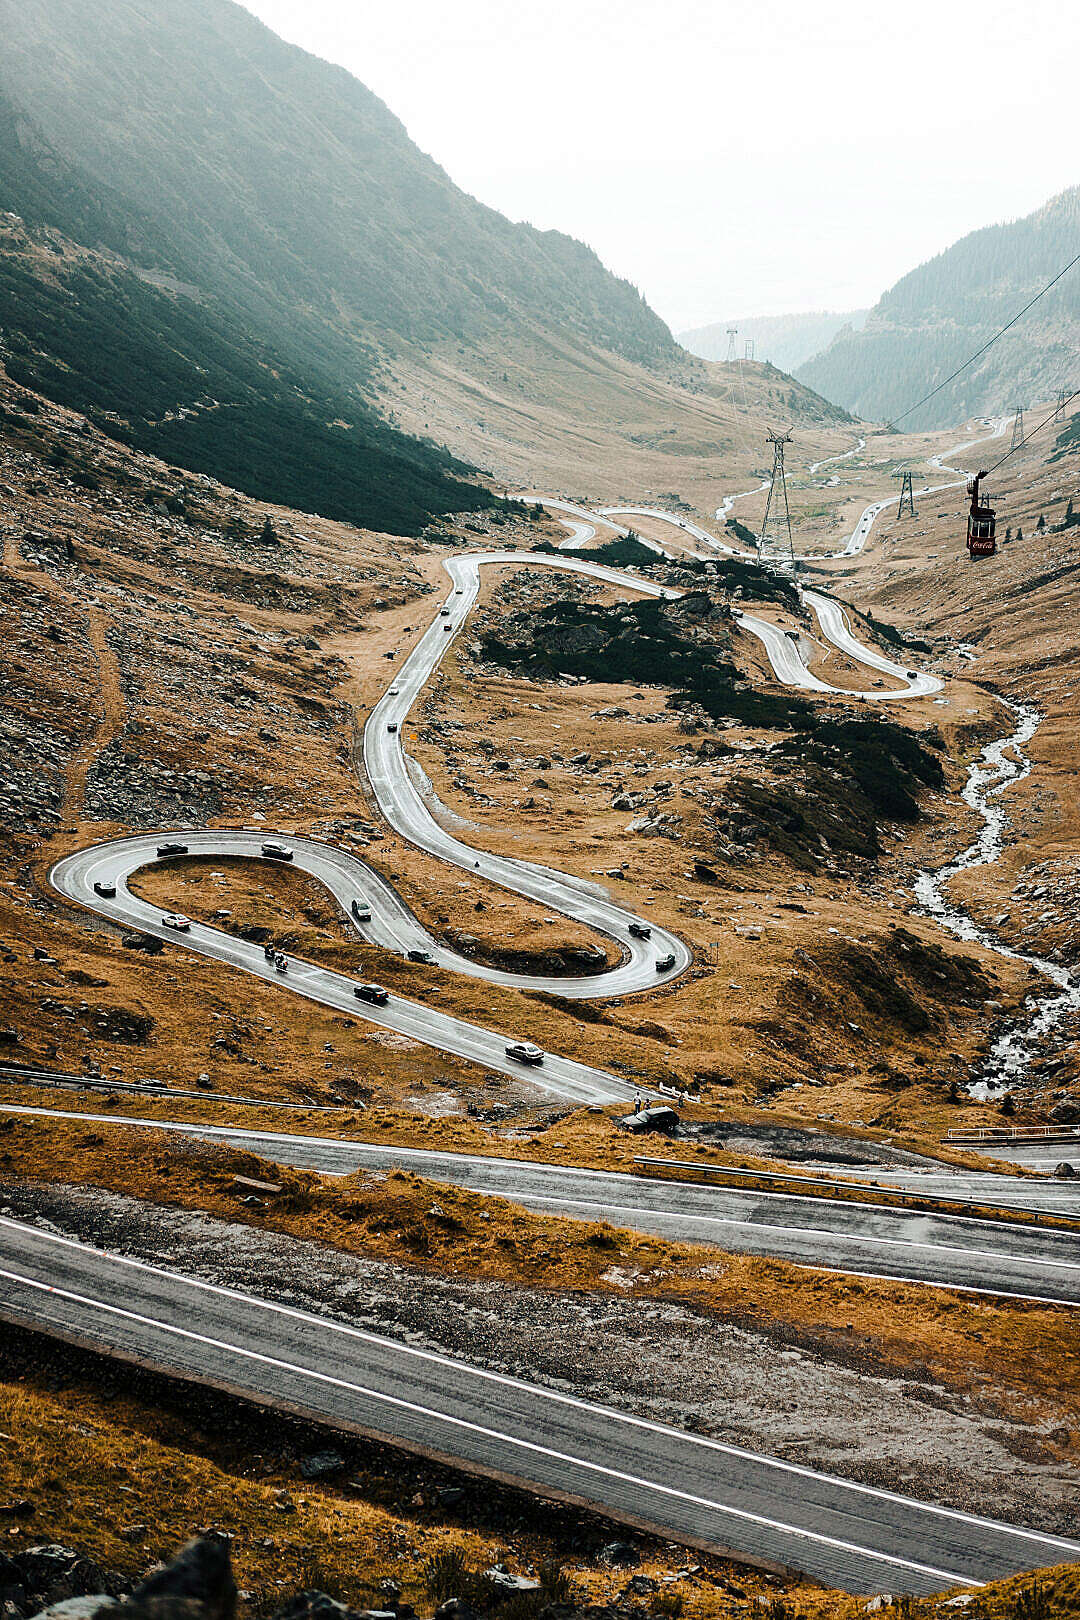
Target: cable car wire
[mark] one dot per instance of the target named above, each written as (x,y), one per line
(1067,401)
(987,345)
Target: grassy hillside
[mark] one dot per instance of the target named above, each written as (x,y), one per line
(936,316)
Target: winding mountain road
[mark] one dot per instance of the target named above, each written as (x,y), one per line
(680,1484)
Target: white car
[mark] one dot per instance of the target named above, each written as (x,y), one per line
(177,920)
(524,1052)
(277,852)
(394,690)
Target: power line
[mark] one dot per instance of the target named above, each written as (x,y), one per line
(1065,399)
(987,345)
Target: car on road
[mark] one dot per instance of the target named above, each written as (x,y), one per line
(171,849)
(640,930)
(444,613)
(448,628)
(392,726)
(361,911)
(106,890)
(419,956)
(277,852)
(664,964)
(371,992)
(524,1052)
(394,690)
(177,920)
(460,591)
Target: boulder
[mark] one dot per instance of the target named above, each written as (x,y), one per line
(200,1575)
(619,1555)
(51,1573)
(322,1464)
(1065,1113)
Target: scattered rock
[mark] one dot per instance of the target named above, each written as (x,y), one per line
(321,1464)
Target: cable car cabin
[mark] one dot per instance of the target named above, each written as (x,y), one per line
(981,541)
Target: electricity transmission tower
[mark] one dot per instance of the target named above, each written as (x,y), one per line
(1018,429)
(732,334)
(748,353)
(907,496)
(778,492)
(1059,408)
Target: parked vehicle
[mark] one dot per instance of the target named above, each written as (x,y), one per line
(640,930)
(177,920)
(277,852)
(371,992)
(171,849)
(524,1052)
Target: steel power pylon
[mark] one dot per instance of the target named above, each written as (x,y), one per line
(1059,408)
(748,352)
(777,490)
(732,334)
(1018,429)
(907,496)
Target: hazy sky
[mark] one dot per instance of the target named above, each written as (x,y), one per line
(751,159)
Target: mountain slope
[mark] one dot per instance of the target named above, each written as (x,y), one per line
(787,341)
(161,369)
(278,179)
(214,177)
(932,319)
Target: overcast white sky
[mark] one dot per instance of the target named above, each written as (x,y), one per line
(730,159)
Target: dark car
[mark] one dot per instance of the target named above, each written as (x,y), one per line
(172,849)
(640,930)
(664,964)
(371,992)
(277,852)
(106,890)
(392,726)
(419,956)
(524,1052)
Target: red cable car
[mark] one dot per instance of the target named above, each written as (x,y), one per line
(981,522)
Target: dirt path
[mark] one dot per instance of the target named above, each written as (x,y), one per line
(110,694)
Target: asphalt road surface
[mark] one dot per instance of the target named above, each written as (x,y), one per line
(696,1489)
(944,1251)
